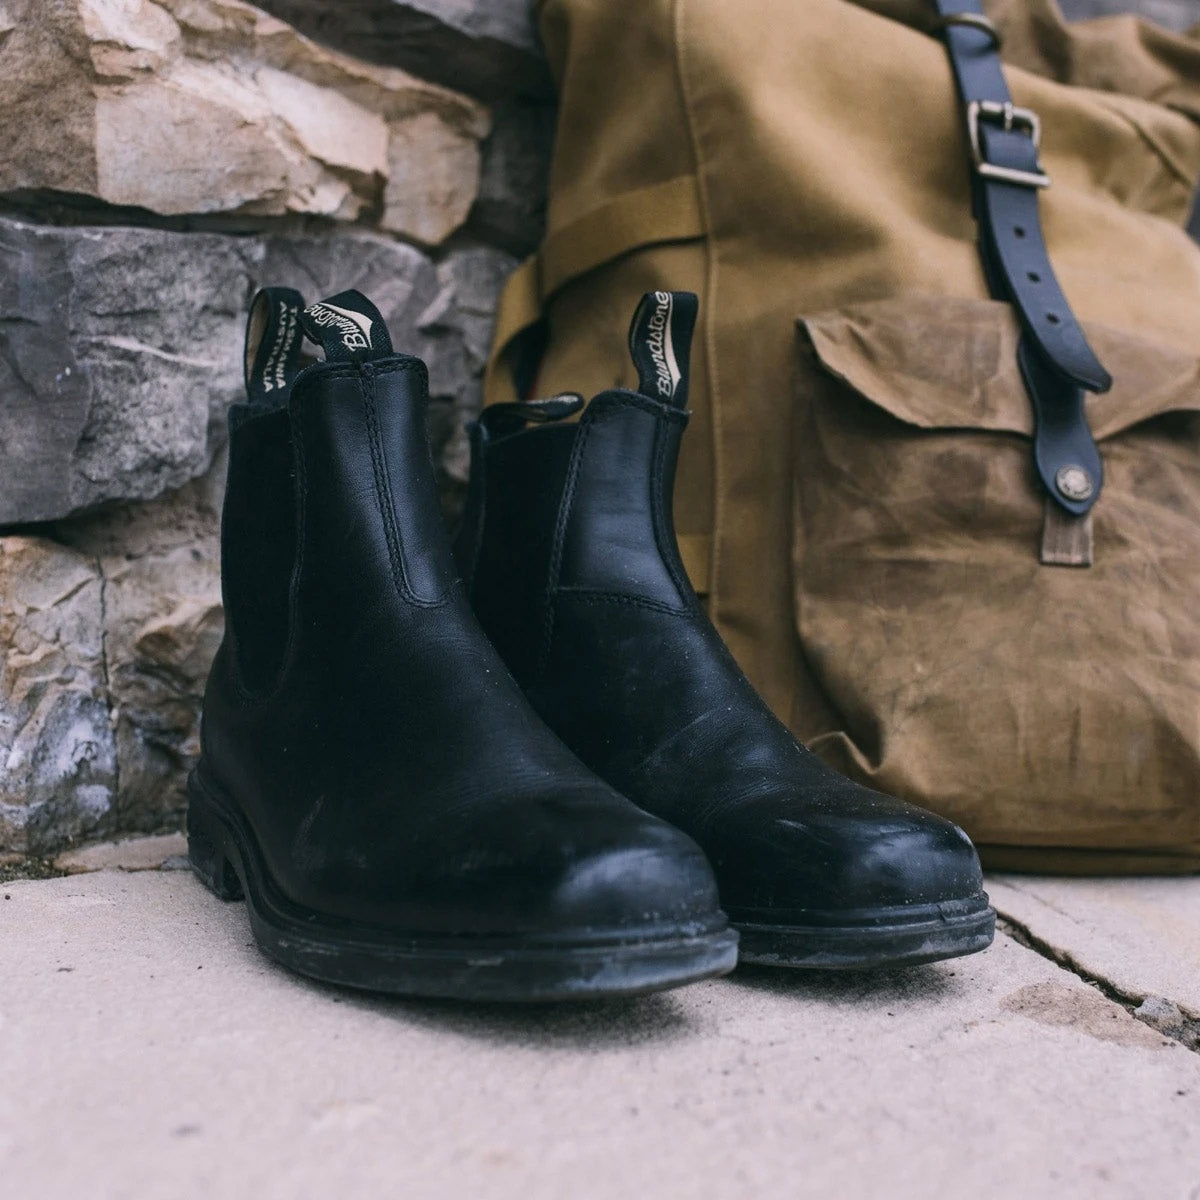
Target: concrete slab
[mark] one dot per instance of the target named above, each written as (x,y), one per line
(1140,936)
(149,1050)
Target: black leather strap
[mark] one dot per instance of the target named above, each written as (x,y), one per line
(1056,360)
(1064,451)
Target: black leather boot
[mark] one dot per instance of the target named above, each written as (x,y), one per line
(372,780)
(569,550)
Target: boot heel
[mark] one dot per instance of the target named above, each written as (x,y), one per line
(210,863)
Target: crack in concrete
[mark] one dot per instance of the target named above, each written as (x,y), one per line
(1162,1014)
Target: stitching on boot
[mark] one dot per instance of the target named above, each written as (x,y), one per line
(635,400)
(382,492)
(383,486)
(592,596)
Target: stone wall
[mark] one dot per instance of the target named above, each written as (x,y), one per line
(159,161)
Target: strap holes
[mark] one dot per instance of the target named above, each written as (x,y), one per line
(1034,277)
(1054,318)
(1019,230)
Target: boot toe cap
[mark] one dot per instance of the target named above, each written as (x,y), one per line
(562,868)
(866,853)
(657,879)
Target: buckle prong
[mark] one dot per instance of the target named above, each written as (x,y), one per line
(1009,117)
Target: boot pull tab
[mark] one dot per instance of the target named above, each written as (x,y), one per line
(660,344)
(499,420)
(273,345)
(348,327)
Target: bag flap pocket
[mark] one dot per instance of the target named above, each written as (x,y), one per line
(941,362)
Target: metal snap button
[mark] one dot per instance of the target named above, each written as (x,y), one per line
(1074,483)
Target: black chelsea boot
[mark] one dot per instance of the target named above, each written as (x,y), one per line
(569,550)
(372,780)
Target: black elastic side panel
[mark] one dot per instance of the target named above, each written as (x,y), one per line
(258,544)
(523,478)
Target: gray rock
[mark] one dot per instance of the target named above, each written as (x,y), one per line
(1161,1014)
(488,48)
(463,317)
(511,208)
(120,348)
(471,280)
(58,760)
(160,565)
(117,348)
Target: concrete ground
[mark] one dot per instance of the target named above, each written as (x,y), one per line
(148,1050)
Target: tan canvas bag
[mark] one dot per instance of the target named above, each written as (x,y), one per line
(856,498)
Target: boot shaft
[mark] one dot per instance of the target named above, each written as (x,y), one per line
(331,503)
(580,510)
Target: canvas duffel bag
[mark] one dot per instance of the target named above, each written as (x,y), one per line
(858,500)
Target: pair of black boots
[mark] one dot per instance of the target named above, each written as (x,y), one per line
(559,803)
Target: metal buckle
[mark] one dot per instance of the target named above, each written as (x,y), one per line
(1010,117)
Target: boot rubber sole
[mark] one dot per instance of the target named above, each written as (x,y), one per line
(903,936)
(225,857)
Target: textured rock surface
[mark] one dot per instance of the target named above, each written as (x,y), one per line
(470,281)
(211,106)
(58,761)
(248,150)
(116,351)
(489,48)
(511,208)
(120,348)
(160,564)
